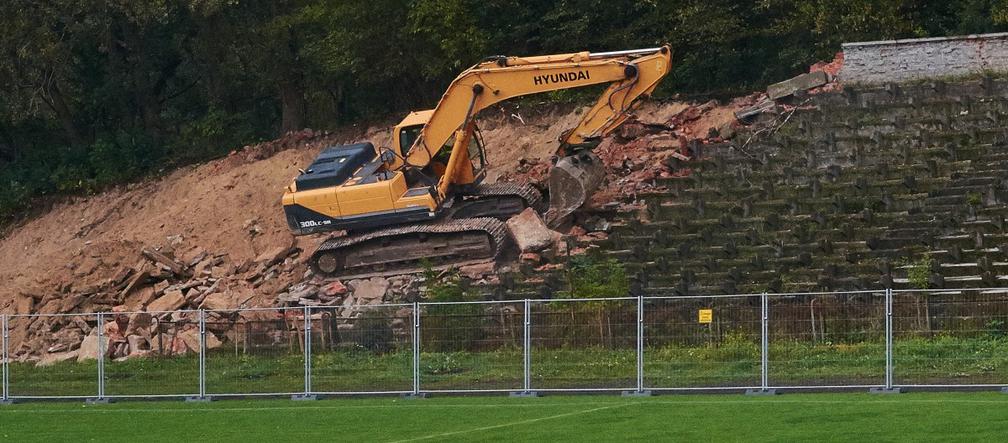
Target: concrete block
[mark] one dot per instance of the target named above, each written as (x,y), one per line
(524,394)
(304,397)
(98,401)
(644,393)
(885,391)
(412,396)
(760,392)
(800,83)
(198,399)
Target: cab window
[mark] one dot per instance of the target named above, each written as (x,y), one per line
(407,136)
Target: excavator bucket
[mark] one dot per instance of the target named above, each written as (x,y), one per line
(572,181)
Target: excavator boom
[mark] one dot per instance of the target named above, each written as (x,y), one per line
(632,74)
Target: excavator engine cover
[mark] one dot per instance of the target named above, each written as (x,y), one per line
(334,165)
(572,181)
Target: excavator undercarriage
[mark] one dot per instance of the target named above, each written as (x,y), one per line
(471,231)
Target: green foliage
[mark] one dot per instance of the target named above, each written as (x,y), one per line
(973,199)
(996,328)
(919,272)
(450,327)
(590,276)
(374,331)
(443,363)
(446,286)
(98,93)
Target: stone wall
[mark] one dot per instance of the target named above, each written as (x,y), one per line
(928,58)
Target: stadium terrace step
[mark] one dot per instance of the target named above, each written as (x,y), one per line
(851,193)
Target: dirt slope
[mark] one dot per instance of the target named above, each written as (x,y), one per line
(232,205)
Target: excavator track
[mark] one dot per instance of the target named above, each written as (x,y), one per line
(498,200)
(404,249)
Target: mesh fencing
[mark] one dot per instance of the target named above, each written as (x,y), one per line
(950,337)
(835,339)
(361,349)
(472,346)
(4,395)
(583,344)
(257,351)
(64,371)
(152,354)
(684,348)
(942,338)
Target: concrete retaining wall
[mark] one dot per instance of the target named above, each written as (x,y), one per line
(927,58)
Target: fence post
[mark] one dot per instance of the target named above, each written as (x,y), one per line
(639,391)
(201,360)
(203,353)
(307,394)
(888,388)
(526,353)
(101,363)
(416,354)
(764,350)
(4,380)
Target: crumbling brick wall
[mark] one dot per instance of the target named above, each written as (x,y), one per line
(927,58)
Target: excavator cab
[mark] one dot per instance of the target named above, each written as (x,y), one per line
(406,135)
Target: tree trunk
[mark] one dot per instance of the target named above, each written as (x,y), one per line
(339,106)
(54,98)
(292,105)
(8,149)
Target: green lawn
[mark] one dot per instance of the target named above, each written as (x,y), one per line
(732,362)
(978,416)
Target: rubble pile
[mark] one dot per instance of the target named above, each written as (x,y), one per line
(141,296)
(355,292)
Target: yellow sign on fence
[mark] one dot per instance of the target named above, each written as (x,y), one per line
(706,315)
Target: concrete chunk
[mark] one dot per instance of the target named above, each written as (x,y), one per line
(51,359)
(370,291)
(800,83)
(89,347)
(172,300)
(530,233)
(165,261)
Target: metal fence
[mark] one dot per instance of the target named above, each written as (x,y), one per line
(879,340)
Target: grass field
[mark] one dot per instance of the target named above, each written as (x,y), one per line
(978,416)
(734,362)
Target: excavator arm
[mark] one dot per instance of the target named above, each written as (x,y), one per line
(632,74)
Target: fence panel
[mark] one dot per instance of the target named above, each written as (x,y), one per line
(683,348)
(361,349)
(472,346)
(584,344)
(255,351)
(950,338)
(152,354)
(68,366)
(834,339)
(3,357)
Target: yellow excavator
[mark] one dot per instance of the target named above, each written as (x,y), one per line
(422,200)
